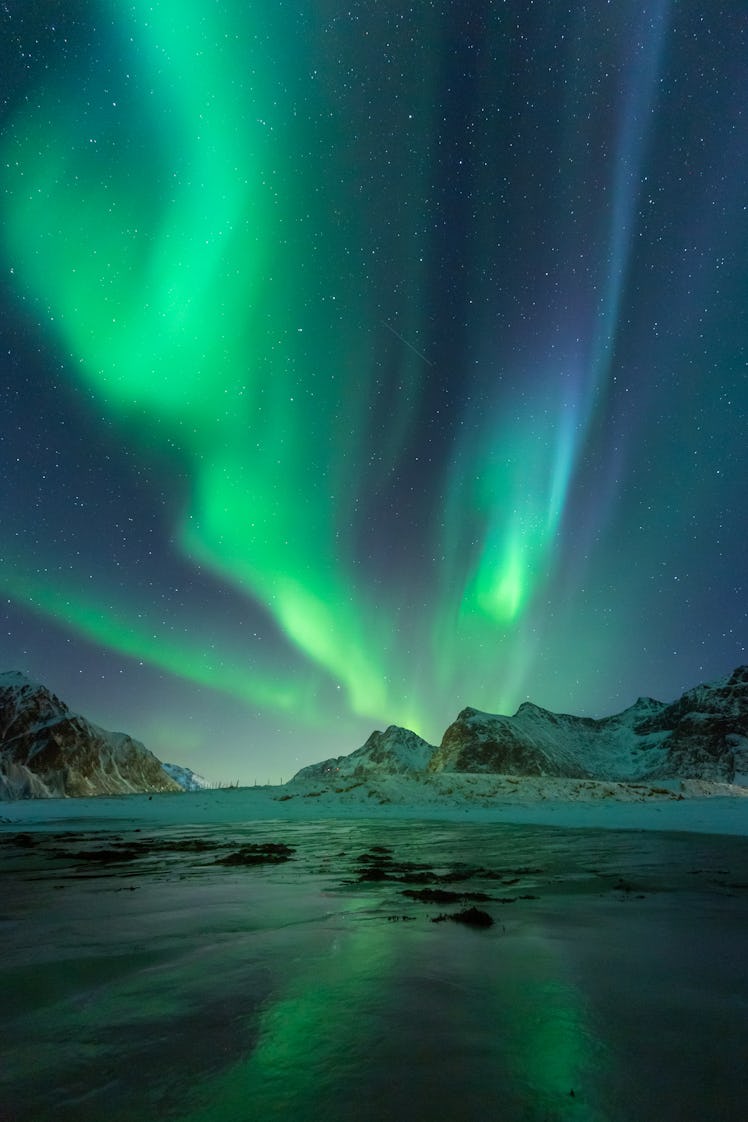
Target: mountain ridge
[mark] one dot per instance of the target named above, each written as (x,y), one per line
(701,735)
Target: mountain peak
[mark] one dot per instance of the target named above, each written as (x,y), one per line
(396,751)
(16,679)
(529,707)
(48,752)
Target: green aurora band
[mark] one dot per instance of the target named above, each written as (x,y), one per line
(154,220)
(166,300)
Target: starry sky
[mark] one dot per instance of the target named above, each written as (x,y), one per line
(363,361)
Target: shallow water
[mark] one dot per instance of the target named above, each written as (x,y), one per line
(156,984)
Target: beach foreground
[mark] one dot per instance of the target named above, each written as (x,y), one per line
(186,957)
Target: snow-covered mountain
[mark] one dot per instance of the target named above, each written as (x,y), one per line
(536,741)
(396,751)
(48,752)
(703,735)
(187,779)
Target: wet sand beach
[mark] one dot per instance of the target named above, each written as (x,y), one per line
(336,968)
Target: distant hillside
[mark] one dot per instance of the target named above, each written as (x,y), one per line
(187,779)
(46,751)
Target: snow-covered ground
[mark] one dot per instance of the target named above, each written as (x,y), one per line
(689,805)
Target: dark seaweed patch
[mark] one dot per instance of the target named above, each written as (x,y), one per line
(262,853)
(471,917)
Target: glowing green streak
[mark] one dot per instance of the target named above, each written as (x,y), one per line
(518,499)
(184,657)
(506,496)
(499,590)
(166,298)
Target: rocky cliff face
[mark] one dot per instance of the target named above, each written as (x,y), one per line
(706,730)
(703,735)
(396,751)
(532,742)
(47,752)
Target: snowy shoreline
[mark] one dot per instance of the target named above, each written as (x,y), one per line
(699,808)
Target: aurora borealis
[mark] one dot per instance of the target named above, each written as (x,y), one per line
(362,362)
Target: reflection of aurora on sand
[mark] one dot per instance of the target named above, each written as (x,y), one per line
(407,1024)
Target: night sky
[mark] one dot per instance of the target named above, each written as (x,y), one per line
(364,361)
